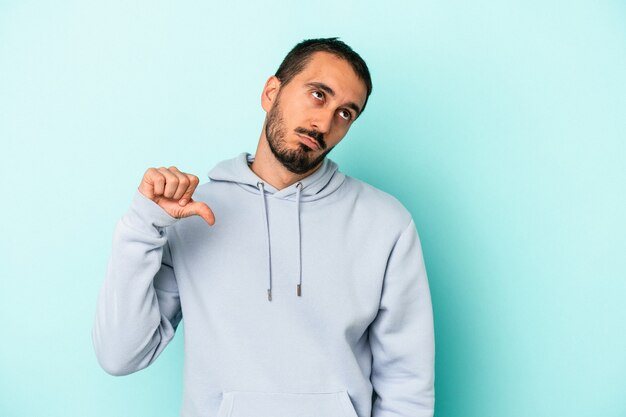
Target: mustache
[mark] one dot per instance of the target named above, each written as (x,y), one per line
(317,136)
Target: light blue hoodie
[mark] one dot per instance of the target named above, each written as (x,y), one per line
(310,301)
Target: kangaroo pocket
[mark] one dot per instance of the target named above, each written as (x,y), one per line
(280,404)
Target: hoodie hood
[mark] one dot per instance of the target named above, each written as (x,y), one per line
(326,179)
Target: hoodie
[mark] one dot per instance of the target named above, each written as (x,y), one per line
(312,300)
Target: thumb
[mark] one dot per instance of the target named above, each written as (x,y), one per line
(200,209)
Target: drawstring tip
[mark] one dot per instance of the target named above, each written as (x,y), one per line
(299,290)
(269,295)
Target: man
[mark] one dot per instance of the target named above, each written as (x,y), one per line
(305,295)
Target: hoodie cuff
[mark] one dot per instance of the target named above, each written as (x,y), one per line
(145,213)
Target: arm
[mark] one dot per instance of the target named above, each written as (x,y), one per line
(402,335)
(138,307)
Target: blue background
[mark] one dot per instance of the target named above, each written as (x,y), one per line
(500,125)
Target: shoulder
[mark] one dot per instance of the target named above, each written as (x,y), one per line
(378,203)
(214,193)
(208,187)
(213,188)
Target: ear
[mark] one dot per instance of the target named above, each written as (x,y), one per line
(270,91)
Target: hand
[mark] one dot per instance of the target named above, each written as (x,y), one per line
(172,190)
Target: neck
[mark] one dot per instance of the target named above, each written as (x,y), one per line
(270,170)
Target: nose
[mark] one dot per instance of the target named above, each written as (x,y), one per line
(322,120)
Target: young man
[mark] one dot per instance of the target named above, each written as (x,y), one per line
(305,294)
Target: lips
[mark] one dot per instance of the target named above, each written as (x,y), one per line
(310,142)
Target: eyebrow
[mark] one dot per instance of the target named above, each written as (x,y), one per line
(330,91)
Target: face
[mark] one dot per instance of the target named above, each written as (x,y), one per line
(308,116)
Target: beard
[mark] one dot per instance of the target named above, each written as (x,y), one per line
(300,160)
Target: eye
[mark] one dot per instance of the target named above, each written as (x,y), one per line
(345,114)
(321,95)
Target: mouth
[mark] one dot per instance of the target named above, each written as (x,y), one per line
(310,142)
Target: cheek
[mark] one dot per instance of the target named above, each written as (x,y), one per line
(303,106)
(296,116)
(339,134)
(334,139)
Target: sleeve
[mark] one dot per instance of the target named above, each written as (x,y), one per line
(138,307)
(402,335)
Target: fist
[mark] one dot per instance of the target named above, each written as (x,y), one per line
(172,189)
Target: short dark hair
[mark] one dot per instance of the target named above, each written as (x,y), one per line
(297,59)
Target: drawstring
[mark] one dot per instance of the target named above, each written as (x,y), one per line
(299,287)
(260,185)
(269,251)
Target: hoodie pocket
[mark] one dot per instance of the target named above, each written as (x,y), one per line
(280,404)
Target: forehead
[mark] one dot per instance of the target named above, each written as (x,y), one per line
(335,72)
